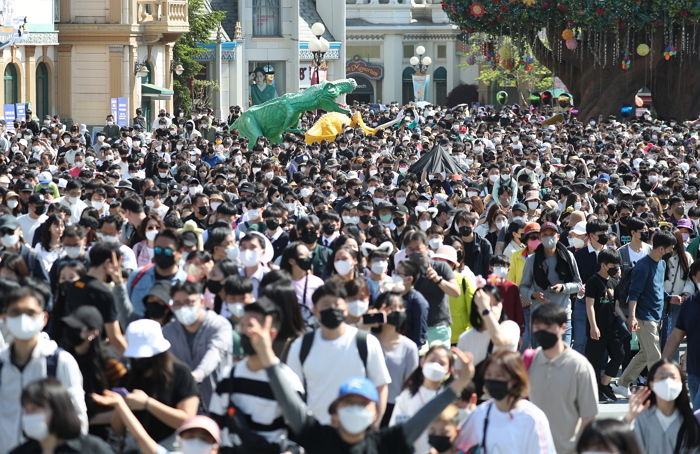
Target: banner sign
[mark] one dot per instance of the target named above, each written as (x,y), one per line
(113,107)
(364,68)
(420,86)
(9,114)
(122,117)
(20,111)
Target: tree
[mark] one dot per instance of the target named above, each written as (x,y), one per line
(603,50)
(202,25)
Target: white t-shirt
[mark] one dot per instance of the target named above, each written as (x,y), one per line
(637,256)
(477,343)
(28,225)
(524,430)
(406,406)
(330,363)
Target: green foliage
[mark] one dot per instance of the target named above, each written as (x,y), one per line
(202,24)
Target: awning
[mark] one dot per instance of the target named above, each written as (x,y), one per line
(154,91)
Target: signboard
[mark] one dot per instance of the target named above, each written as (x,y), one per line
(122,117)
(21,111)
(364,68)
(12,23)
(421,82)
(113,107)
(9,114)
(306,73)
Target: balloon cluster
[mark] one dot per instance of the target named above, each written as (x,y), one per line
(626,63)
(669,52)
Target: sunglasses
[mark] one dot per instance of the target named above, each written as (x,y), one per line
(160,250)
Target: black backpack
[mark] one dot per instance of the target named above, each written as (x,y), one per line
(51,364)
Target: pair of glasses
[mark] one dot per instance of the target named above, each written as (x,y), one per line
(159,250)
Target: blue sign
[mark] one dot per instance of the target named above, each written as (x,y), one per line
(9,114)
(122,118)
(113,107)
(20,109)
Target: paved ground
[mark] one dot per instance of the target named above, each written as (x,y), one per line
(616,410)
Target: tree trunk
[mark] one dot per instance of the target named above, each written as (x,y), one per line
(675,88)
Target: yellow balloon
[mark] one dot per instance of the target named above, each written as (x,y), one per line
(643,50)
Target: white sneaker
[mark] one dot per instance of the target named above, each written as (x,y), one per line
(620,390)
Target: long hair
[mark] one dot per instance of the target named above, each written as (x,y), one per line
(679,249)
(415,380)
(50,393)
(156,371)
(609,434)
(689,433)
(45,239)
(474,316)
(284,296)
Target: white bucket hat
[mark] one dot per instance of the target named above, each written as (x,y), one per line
(145,339)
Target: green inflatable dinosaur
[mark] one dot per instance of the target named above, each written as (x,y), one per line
(272,118)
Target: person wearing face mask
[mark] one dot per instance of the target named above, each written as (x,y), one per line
(400,353)
(307,229)
(530,239)
(109,231)
(356,407)
(148,230)
(345,264)
(443,432)
(252,252)
(201,339)
(677,282)
(551,274)
(36,216)
(605,338)
(11,239)
(431,376)
(608,436)
(252,408)
(167,252)
(568,398)
(508,422)
(273,217)
(328,356)
(645,300)
(358,301)
(72,200)
(296,260)
(29,357)
(477,250)
(490,331)
(51,424)
(157,303)
(417,307)
(663,419)
(377,277)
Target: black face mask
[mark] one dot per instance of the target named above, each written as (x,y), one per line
(331,318)
(246,345)
(71,337)
(396,318)
(163,260)
(309,236)
(40,209)
(399,222)
(613,271)
(328,229)
(365,218)
(440,442)
(603,238)
(272,224)
(303,263)
(624,220)
(666,256)
(644,236)
(545,339)
(203,210)
(214,286)
(155,310)
(465,230)
(498,389)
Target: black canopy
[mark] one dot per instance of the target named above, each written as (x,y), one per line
(435,161)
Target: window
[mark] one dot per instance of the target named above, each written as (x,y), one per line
(57,10)
(440,77)
(408,50)
(365,52)
(442,51)
(11,89)
(42,90)
(266,18)
(407,85)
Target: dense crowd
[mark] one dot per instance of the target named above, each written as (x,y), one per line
(185,290)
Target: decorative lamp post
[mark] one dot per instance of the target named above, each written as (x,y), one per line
(318,48)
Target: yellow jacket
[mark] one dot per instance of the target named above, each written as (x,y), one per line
(460,307)
(517,265)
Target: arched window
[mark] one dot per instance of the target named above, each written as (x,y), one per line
(407,85)
(11,84)
(440,76)
(42,90)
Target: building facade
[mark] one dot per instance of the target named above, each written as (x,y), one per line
(382,36)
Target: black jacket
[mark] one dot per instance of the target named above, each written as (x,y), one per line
(477,255)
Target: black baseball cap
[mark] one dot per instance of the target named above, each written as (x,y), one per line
(85,317)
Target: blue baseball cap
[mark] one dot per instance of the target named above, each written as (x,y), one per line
(356,386)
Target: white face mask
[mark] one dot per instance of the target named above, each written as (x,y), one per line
(12,203)
(215,205)
(73,252)
(401,200)
(343,267)
(577,243)
(236,309)
(250,257)
(98,205)
(358,307)
(232,252)
(577,206)
(9,240)
(425,225)
(379,267)
(533,205)
(187,315)
(435,243)
(355,419)
(25,327)
(253,214)
(434,371)
(151,235)
(500,271)
(195,446)
(501,224)
(305,192)
(667,389)
(35,426)
(108,238)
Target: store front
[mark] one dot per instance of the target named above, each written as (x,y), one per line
(364,73)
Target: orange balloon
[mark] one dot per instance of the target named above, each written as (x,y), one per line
(567,34)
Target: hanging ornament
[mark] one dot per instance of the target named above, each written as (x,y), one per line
(638,101)
(571,44)
(476,9)
(508,63)
(643,50)
(626,111)
(626,63)
(669,52)
(502,97)
(567,34)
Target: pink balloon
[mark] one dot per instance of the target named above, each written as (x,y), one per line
(571,44)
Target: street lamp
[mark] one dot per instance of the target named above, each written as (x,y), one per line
(420,62)
(176,67)
(140,70)
(318,47)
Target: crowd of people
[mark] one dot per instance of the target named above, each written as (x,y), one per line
(186,290)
